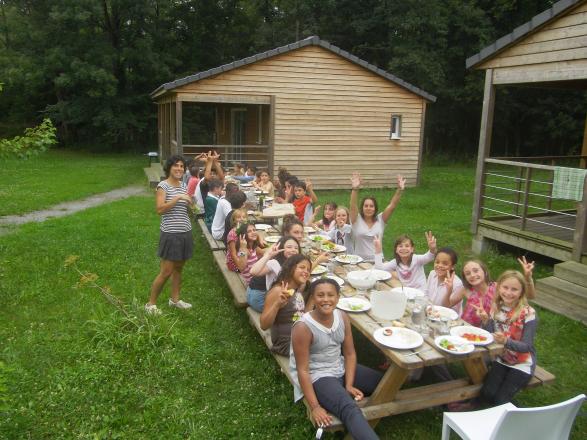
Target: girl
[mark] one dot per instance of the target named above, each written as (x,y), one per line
(264,183)
(175,238)
(267,268)
(443,286)
(341,233)
(367,222)
(294,227)
(328,220)
(480,290)
(513,322)
(407,267)
(330,380)
(244,249)
(286,302)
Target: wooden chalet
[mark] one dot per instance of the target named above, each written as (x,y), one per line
(311,107)
(514,198)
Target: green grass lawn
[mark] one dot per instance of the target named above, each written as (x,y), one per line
(76,369)
(61,176)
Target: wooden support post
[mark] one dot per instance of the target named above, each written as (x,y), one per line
(584,149)
(525,198)
(484,146)
(271,140)
(476,369)
(422,124)
(518,190)
(580,236)
(178,126)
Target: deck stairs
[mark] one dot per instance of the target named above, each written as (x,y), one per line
(154,174)
(565,292)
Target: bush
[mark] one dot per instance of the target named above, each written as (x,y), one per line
(36,140)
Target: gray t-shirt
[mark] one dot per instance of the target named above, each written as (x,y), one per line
(363,236)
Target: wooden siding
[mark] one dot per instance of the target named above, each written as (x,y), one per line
(556,52)
(332,117)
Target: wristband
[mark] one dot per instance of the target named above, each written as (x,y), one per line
(241,254)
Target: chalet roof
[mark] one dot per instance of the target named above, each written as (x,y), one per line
(310,41)
(538,21)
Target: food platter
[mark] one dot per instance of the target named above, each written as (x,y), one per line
(453,344)
(400,338)
(319,270)
(336,248)
(354,304)
(262,227)
(439,313)
(475,335)
(348,259)
(272,238)
(310,230)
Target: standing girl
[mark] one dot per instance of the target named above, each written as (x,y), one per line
(407,267)
(367,222)
(330,380)
(286,302)
(513,323)
(267,268)
(175,239)
(244,249)
(443,286)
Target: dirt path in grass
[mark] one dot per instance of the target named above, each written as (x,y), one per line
(68,208)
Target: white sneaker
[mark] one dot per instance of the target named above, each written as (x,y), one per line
(152,309)
(180,304)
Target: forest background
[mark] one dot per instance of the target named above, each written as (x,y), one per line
(90,65)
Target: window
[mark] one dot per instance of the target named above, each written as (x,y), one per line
(396,127)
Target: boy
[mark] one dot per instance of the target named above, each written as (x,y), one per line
(302,202)
(222,210)
(214,193)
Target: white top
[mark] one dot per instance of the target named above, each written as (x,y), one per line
(222,210)
(410,276)
(274,269)
(436,292)
(198,196)
(363,236)
(346,232)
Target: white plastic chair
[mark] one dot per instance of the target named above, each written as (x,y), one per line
(507,422)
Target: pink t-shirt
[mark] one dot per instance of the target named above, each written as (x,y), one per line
(192,183)
(476,299)
(251,258)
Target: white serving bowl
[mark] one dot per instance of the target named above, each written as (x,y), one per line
(361,279)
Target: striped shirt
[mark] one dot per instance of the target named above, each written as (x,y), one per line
(176,219)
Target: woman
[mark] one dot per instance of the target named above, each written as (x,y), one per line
(286,302)
(367,223)
(175,241)
(329,380)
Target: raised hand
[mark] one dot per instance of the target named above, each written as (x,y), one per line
(401,182)
(431,239)
(527,267)
(356,180)
(377,244)
(284,295)
(243,241)
(481,313)
(449,280)
(274,250)
(214,155)
(309,185)
(201,157)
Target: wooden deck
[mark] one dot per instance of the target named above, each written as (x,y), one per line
(560,227)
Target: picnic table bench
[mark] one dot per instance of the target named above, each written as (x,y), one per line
(389,398)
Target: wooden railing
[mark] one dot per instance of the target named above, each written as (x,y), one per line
(522,191)
(249,155)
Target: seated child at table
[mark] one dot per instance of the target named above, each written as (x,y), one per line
(513,323)
(264,183)
(244,249)
(407,267)
(223,208)
(294,227)
(215,187)
(286,301)
(267,268)
(327,221)
(342,231)
(443,284)
(303,202)
(234,220)
(331,381)
(193,180)
(480,290)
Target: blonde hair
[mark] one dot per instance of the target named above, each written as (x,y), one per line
(236,213)
(522,301)
(348,214)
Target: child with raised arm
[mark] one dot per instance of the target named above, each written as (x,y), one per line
(324,365)
(367,222)
(286,302)
(342,232)
(513,323)
(407,267)
(443,286)
(303,202)
(244,249)
(327,221)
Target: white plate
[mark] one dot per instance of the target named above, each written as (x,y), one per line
(410,292)
(348,259)
(380,275)
(262,227)
(401,338)
(336,249)
(339,280)
(462,346)
(246,185)
(260,191)
(272,238)
(310,230)
(462,329)
(319,270)
(438,313)
(268,199)
(354,304)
